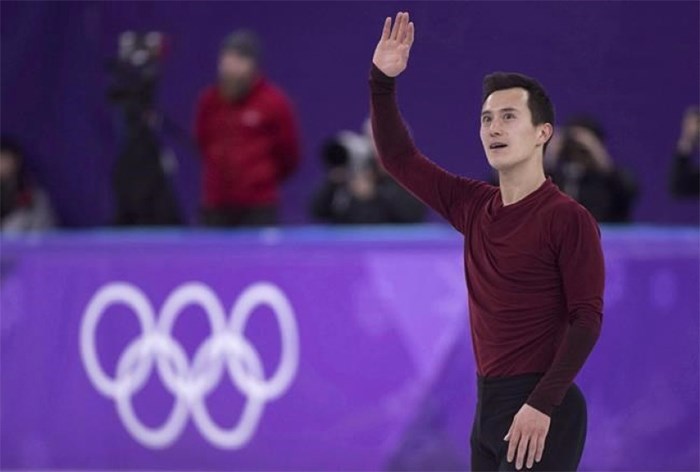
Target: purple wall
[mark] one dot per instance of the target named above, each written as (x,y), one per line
(635,65)
(383,374)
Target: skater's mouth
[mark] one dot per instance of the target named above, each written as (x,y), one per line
(497,145)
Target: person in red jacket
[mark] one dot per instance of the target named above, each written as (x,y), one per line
(534,264)
(247,136)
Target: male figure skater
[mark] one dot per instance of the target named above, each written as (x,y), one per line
(533,259)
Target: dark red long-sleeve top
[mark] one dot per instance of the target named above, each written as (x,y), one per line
(534,269)
(247,147)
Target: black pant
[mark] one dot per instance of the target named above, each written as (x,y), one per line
(499,399)
(240,216)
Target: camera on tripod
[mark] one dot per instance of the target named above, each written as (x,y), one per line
(136,71)
(142,188)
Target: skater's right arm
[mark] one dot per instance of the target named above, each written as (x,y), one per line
(450,195)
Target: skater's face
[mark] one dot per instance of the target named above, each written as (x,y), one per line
(507,132)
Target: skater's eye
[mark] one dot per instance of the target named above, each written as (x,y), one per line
(486,119)
(509,116)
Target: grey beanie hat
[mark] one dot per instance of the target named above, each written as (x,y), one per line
(244,42)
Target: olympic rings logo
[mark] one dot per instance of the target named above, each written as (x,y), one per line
(226,349)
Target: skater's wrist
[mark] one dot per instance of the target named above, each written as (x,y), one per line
(541,406)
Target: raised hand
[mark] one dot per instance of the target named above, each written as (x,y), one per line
(391,53)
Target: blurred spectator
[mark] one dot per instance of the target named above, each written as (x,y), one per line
(685,174)
(357,190)
(580,165)
(23,205)
(247,136)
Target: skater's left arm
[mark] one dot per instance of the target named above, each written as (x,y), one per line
(580,260)
(582,269)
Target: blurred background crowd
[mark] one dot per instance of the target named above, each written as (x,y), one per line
(106,123)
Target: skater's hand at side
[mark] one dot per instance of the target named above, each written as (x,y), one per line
(391,53)
(526,436)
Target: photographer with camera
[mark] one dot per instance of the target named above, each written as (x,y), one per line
(357,189)
(248,139)
(24,205)
(685,174)
(581,167)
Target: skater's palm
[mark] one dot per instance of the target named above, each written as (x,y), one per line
(391,53)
